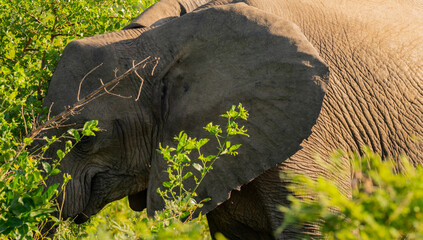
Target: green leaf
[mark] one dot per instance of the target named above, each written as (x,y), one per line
(60,154)
(10,53)
(90,127)
(187,175)
(28,141)
(184,215)
(68,145)
(167,184)
(55,171)
(233,148)
(197,166)
(213,129)
(14,222)
(182,141)
(47,195)
(74,133)
(28,202)
(42,211)
(46,167)
(202,142)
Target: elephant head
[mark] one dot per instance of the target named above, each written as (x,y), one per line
(209,60)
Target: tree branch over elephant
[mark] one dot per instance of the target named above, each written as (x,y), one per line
(315,75)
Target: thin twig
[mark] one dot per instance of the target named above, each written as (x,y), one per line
(113,94)
(86,75)
(34,120)
(155,65)
(49,111)
(142,82)
(23,117)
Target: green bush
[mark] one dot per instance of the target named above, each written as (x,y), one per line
(386,202)
(180,203)
(26,205)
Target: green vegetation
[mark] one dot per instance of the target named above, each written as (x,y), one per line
(386,202)
(26,206)
(179,201)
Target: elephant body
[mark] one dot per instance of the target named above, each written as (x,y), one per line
(374,97)
(315,75)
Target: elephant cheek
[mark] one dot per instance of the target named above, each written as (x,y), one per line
(138,201)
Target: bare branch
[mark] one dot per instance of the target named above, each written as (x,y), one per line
(34,120)
(23,117)
(114,94)
(155,65)
(86,75)
(142,82)
(49,111)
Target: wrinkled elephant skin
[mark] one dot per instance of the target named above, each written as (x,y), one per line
(315,76)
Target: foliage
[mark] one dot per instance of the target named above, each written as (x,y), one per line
(386,202)
(180,203)
(117,221)
(24,200)
(33,35)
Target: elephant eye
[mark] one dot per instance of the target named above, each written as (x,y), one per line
(84,140)
(85,143)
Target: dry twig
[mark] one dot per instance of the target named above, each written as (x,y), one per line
(23,117)
(82,80)
(113,94)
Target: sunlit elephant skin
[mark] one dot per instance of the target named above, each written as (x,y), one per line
(278,58)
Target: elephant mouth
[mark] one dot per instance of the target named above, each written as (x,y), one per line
(105,186)
(138,201)
(92,206)
(81,218)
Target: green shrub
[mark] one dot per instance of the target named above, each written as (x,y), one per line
(26,204)
(386,202)
(180,203)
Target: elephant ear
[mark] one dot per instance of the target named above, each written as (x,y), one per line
(231,54)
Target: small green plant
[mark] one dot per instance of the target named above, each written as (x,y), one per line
(180,203)
(386,202)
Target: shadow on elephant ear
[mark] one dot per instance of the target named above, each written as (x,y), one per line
(230,54)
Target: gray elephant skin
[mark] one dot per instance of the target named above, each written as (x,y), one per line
(315,76)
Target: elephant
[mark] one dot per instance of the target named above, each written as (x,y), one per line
(316,76)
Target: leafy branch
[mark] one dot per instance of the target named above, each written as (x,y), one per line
(180,203)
